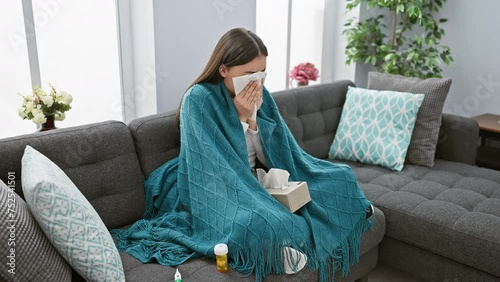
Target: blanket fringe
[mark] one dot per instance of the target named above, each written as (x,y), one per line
(259,259)
(141,242)
(267,259)
(351,248)
(264,261)
(345,255)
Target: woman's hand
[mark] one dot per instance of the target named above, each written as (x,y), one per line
(260,100)
(245,101)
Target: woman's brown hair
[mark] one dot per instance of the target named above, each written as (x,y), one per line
(236,47)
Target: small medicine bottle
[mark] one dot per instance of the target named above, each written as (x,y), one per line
(220,251)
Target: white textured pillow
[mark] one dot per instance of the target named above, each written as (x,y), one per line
(69,220)
(376,127)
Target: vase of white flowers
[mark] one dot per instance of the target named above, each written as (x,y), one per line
(44,108)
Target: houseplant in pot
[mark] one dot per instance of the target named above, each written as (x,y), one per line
(43,108)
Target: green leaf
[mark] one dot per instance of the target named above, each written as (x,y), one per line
(388,57)
(400,8)
(410,56)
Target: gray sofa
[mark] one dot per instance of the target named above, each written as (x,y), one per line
(440,223)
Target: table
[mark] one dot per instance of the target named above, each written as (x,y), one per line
(489,128)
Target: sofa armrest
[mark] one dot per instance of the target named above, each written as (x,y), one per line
(458,137)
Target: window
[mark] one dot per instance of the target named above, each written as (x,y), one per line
(77,44)
(14,68)
(293,34)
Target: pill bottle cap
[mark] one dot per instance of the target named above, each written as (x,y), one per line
(220,249)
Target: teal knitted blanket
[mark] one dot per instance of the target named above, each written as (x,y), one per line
(208,195)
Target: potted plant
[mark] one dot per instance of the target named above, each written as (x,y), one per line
(408,46)
(303,73)
(43,108)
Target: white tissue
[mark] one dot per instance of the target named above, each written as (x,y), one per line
(240,82)
(274,179)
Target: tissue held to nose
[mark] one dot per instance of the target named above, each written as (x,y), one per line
(240,82)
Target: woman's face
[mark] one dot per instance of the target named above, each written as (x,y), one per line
(256,65)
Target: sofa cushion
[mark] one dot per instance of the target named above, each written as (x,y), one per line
(452,209)
(91,155)
(376,127)
(312,114)
(27,255)
(425,136)
(68,220)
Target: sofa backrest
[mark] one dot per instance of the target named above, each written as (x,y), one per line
(99,158)
(157,140)
(313,114)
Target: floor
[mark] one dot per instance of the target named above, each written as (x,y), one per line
(385,273)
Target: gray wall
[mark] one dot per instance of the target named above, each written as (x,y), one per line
(472,33)
(185,35)
(361,74)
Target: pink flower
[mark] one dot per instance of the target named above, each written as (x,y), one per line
(304,72)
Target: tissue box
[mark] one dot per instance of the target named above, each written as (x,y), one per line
(293,197)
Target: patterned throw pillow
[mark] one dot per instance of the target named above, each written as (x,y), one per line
(423,144)
(376,127)
(68,220)
(27,254)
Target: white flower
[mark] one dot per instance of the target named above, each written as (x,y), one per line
(29,106)
(60,116)
(48,101)
(36,106)
(21,113)
(36,112)
(66,98)
(39,118)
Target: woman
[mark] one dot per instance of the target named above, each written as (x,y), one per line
(230,60)
(209,195)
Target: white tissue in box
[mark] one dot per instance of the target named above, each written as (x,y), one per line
(275,178)
(293,197)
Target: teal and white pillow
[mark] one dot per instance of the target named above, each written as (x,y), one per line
(376,127)
(68,220)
